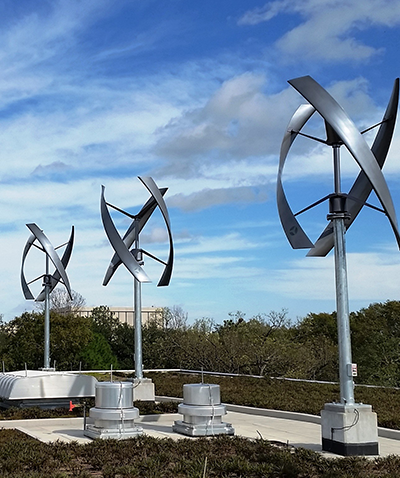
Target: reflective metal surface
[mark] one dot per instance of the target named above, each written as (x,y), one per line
(362,188)
(296,236)
(119,246)
(129,238)
(60,274)
(341,128)
(123,254)
(49,280)
(114,395)
(157,195)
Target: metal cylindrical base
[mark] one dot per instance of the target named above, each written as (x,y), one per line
(114,395)
(201,394)
(114,414)
(202,411)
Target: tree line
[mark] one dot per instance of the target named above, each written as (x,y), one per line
(265,344)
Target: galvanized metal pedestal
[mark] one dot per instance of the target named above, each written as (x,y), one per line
(202,412)
(114,414)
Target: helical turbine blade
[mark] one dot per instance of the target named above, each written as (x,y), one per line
(344,127)
(155,192)
(25,288)
(297,238)
(51,253)
(143,216)
(55,278)
(362,188)
(118,244)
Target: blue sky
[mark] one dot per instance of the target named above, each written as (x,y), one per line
(194,94)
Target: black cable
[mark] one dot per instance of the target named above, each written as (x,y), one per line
(348,427)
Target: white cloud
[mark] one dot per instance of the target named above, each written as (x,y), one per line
(38,36)
(227,268)
(238,121)
(203,244)
(328,29)
(85,136)
(239,130)
(211,197)
(265,13)
(155,235)
(372,276)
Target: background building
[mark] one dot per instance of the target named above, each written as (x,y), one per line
(126,315)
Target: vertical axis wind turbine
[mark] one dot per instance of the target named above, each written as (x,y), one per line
(343,207)
(49,280)
(133,258)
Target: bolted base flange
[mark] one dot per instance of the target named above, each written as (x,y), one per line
(120,432)
(210,428)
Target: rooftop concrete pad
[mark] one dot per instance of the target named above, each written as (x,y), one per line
(295,432)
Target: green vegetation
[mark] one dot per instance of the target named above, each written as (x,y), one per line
(219,457)
(266,344)
(94,342)
(145,408)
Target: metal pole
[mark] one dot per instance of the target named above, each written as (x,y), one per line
(338,215)
(138,312)
(47,316)
(336,169)
(138,329)
(342,307)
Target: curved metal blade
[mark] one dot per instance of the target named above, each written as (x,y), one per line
(155,192)
(37,234)
(333,114)
(362,188)
(296,236)
(55,278)
(25,288)
(143,216)
(118,244)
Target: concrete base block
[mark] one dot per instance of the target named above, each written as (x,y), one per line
(349,429)
(143,390)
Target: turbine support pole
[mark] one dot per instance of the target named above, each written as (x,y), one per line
(138,311)
(47,287)
(338,215)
